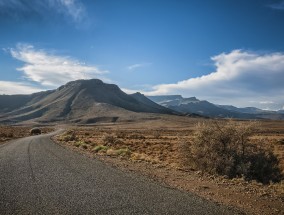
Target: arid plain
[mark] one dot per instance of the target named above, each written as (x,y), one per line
(160,149)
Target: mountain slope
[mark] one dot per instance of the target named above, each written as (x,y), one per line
(194,106)
(11,102)
(250,110)
(148,103)
(81,101)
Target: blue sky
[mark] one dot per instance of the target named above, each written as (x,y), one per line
(225,51)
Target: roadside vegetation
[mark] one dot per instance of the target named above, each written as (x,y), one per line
(13,132)
(209,157)
(226,148)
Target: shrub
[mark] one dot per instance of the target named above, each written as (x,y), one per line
(123,152)
(156,135)
(3,135)
(281,142)
(84,146)
(109,139)
(137,136)
(80,143)
(225,148)
(99,148)
(121,135)
(77,144)
(70,136)
(10,135)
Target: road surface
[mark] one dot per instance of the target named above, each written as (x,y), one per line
(38,176)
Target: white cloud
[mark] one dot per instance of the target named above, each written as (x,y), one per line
(129,91)
(52,70)
(138,65)
(9,87)
(73,8)
(240,77)
(266,102)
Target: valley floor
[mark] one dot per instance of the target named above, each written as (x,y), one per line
(156,149)
(8,133)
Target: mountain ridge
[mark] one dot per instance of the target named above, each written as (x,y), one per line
(92,101)
(202,107)
(80,101)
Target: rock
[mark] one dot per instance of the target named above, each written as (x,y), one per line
(35,131)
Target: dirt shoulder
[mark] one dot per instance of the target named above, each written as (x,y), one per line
(251,198)
(8,133)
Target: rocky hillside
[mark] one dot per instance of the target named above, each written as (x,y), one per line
(84,101)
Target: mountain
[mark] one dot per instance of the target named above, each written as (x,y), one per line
(82,101)
(194,106)
(250,110)
(150,104)
(11,102)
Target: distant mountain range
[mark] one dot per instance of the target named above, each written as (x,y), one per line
(82,101)
(194,106)
(92,101)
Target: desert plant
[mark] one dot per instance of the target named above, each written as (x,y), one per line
(80,143)
(156,135)
(10,135)
(84,146)
(100,148)
(121,135)
(70,135)
(137,136)
(77,144)
(123,152)
(225,148)
(281,141)
(109,139)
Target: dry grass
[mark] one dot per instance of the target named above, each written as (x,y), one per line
(13,132)
(166,144)
(225,148)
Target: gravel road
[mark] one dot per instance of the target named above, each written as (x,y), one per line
(38,176)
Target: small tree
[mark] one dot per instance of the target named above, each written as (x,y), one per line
(225,148)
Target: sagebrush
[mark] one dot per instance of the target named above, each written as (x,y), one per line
(225,148)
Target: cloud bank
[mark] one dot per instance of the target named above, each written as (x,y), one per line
(10,87)
(43,70)
(241,78)
(51,70)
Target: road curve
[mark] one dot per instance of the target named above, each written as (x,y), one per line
(38,176)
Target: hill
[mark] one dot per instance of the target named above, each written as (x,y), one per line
(81,101)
